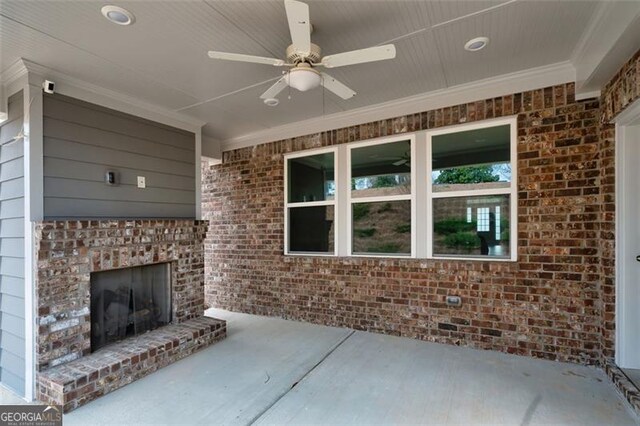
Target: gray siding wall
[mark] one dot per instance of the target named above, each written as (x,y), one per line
(12,288)
(82,141)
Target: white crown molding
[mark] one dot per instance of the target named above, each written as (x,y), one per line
(506,84)
(12,80)
(608,41)
(80,89)
(587,95)
(13,73)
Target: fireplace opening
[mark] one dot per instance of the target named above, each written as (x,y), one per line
(127,302)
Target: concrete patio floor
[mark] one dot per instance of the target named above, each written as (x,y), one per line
(272,371)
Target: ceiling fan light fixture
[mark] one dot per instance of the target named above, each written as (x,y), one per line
(118,15)
(303,78)
(476,44)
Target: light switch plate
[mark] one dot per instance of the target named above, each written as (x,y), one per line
(142,182)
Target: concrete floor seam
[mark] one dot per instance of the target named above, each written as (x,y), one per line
(316,365)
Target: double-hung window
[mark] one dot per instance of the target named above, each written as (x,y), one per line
(445,193)
(380,198)
(310,203)
(472,190)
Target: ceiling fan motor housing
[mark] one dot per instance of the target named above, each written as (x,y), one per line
(295,57)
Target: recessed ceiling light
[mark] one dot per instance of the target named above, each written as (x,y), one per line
(271,102)
(476,44)
(118,15)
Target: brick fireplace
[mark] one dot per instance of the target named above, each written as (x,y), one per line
(71,254)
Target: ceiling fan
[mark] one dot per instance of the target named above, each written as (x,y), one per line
(303,57)
(402,160)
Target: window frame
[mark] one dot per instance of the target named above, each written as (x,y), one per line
(511,190)
(421,195)
(298,204)
(411,137)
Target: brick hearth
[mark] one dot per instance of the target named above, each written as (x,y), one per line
(83,380)
(68,252)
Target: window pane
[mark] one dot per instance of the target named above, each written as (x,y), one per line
(381,170)
(381,228)
(311,229)
(311,178)
(473,159)
(471,226)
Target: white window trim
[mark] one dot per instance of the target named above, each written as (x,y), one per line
(512,190)
(334,202)
(421,195)
(411,197)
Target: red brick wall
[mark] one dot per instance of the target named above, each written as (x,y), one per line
(547,305)
(621,91)
(607,240)
(68,251)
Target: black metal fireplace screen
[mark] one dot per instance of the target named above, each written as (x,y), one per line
(128,302)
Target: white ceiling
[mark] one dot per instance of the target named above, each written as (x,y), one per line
(162,58)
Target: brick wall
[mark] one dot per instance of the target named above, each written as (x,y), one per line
(68,251)
(621,91)
(546,305)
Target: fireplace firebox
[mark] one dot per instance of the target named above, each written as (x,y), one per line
(128,302)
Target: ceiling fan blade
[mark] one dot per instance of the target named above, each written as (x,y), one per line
(336,87)
(371,54)
(239,57)
(273,91)
(399,162)
(298,17)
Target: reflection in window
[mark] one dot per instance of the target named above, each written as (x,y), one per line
(311,178)
(473,159)
(487,235)
(483,219)
(381,227)
(311,229)
(381,170)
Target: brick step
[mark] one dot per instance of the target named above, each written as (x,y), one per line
(78,382)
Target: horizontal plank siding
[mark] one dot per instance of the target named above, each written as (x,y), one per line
(12,228)
(59,148)
(12,265)
(11,209)
(12,286)
(83,141)
(13,306)
(13,362)
(59,207)
(123,143)
(12,381)
(12,189)
(88,171)
(12,169)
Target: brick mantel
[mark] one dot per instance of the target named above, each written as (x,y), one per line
(69,251)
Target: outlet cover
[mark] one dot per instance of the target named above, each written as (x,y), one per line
(142,182)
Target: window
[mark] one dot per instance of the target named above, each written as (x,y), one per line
(453,235)
(380,194)
(483,219)
(445,193)
(310,203)
(472,183)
